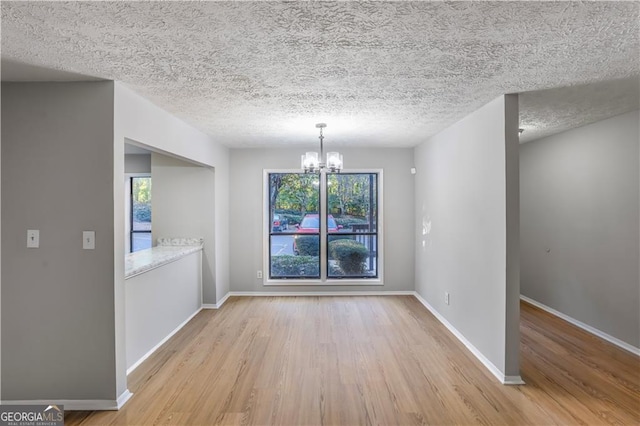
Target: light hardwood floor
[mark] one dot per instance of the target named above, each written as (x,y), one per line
(369,360)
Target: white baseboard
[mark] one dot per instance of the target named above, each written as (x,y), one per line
(216,305)
(224,299)
(152,350)
(513,380)
(78,404)
(586,327)
(320,293)
(505,380)
(122,399)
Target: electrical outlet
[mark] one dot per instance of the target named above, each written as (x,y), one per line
(446,297)
(259,274)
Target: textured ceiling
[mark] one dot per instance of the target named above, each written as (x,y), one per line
(545,112)
(379,73)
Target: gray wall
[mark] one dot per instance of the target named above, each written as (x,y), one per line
(1,239)
(183,206)
(57,301)
(580,224)
(137,163)
(466,200)
(246,210)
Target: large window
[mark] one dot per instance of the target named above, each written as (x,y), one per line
(323,227)
(140,232)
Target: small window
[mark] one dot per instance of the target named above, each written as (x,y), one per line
(140,232)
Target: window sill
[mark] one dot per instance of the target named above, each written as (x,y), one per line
(327,283)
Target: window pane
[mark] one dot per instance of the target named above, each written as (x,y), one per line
(141,204)
(304,262)
(140,241)
(295,230)
(293,197)
(352,200)
(352,256)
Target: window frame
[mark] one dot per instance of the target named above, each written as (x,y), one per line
(324,280)
(130,177)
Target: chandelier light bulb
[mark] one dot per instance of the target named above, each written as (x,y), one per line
(310,162)
(334,161)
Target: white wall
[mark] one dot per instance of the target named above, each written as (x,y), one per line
(159,301)
(581,224)
(58,337)
(138,120)
(246,210)
(466,196)
(183,206)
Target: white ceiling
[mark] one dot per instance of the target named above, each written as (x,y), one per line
(379,73)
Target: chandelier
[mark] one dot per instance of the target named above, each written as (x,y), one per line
(312,162)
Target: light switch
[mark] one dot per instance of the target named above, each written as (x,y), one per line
(88,240)
(33,238)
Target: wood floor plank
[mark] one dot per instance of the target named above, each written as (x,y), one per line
(369,360)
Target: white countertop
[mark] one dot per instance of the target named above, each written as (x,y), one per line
(144,260)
